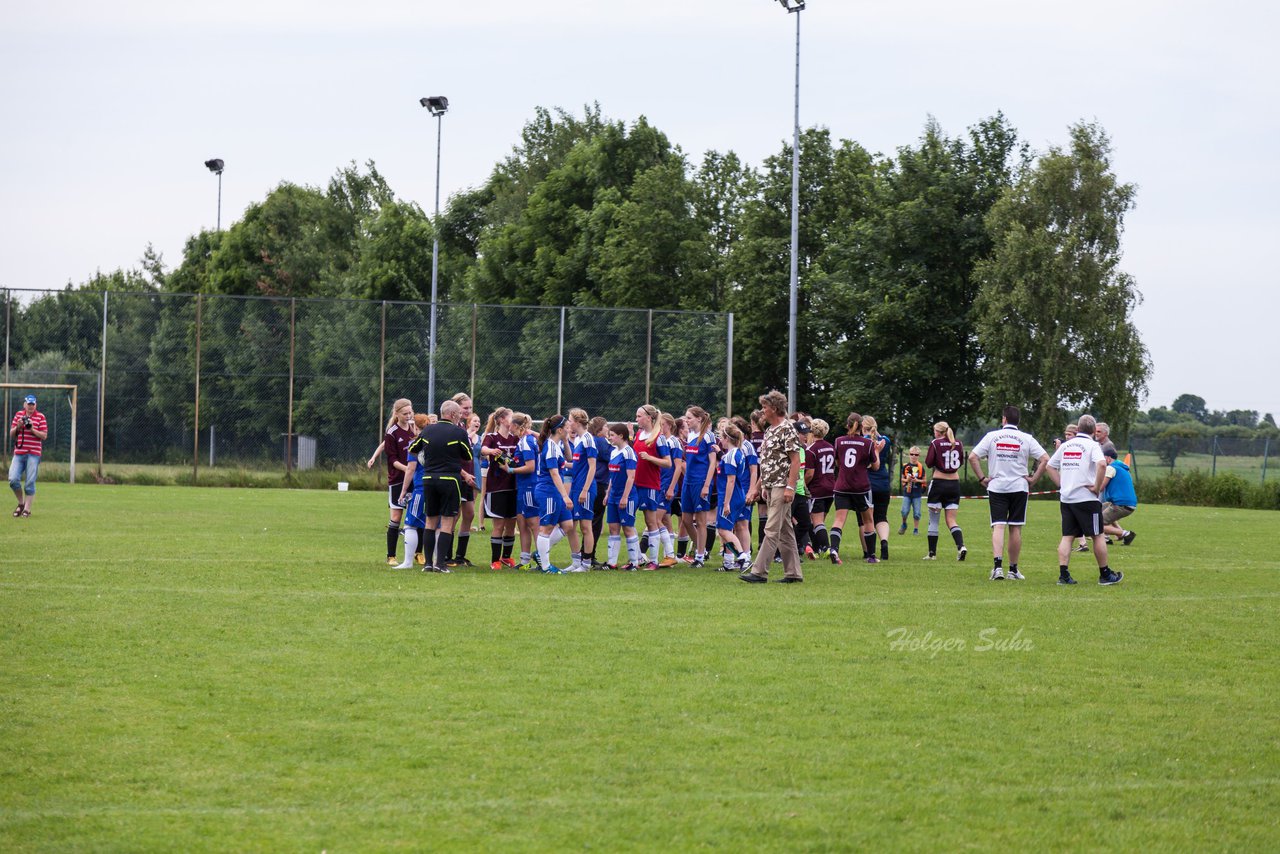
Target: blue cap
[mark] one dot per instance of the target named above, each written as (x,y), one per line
(31,398)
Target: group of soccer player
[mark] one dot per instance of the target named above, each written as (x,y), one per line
(666,487)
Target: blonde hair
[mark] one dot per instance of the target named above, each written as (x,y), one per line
(668,422)
(579,416)
(914,449)
(395,407)
(494,417)
(732,434)
(944,427)
(869,425)
(653,413)
(819,428)
(520,421)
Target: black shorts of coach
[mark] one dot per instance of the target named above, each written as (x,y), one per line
(442,495)
(1082,519)
(855,501)
(1008,508)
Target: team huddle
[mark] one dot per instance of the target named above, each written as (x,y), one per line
(666,489)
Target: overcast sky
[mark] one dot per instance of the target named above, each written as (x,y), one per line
(110,109)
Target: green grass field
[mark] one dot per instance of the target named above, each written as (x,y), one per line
(235,670)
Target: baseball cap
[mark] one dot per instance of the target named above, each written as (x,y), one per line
(31,398)
(802,426)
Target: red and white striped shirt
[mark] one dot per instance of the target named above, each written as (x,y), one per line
(25,441)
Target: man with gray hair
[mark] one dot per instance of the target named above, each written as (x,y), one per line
(1102,435)
(1079,469)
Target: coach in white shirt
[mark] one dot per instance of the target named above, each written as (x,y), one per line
(1007,452)
(1079,469)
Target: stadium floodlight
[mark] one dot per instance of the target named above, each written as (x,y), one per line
(796,6)
(437,105)
(215,166)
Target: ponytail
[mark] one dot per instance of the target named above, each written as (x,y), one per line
(395,407)
(704,417)
(853,424)
(549,426)
(944,427)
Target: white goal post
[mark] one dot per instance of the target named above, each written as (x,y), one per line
(74,399)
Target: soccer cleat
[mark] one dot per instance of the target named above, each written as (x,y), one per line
(997,574)
(931,556)
(552,569)
(650,566)
(962,553)
(597,565)
(1128,537)
(915,532)
(809,553)
(688,558)
(727,566)
(1110,577)
(528,566)
(1014,575)
(1066,579)
(667,561)
(835,559)
(884,552)
(628,567)
(508,562)
(391,561)
(430,568)
(577,568)
(1082,548)
(497,564)
(698,563)
(420,559)
(872,559)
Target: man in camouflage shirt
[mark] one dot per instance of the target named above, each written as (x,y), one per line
(779,470)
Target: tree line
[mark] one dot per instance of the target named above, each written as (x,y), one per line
(940,281)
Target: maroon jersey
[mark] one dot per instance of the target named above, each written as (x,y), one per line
(396,446)
(854,455)
(945,456)
(499,479)
(757,441)
(820,458)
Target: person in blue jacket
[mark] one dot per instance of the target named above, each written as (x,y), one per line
(1119,498)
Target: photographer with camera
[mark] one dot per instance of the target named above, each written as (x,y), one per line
(28,431)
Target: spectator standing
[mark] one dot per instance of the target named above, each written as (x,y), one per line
(28,430)
(913,484)
(1007,452)
(1078,468)
(779,469)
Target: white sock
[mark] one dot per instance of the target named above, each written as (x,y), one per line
(615,545)
(653,545)
(557,535)
(744,558)
(544,550)
(525,557)
(668,543)
(410,546)
(633,549)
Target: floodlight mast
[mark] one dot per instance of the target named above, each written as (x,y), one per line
(215,166)
(437,105)
(796,6)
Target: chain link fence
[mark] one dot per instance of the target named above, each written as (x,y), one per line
(284,384)
(1251,458)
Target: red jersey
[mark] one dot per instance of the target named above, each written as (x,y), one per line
(945,456)
(499,479)
(24,441)
(396,446)
(820,458)
(648,475)
(854,455)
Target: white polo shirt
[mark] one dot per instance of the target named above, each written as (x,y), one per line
(1077,459)
(1007,451)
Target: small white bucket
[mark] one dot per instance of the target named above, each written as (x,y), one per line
(342,486)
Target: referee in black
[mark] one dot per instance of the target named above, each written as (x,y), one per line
(444,454)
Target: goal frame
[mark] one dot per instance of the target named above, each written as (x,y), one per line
(75,397)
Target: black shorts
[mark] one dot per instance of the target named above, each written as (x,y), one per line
(675,506)
(1008,508)
(820,505)
(879,506)
(855,501)
(1082,519)
(465,492)
(442,495)
(500,505)
(944,494)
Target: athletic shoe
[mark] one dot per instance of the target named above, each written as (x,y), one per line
(872,559)
(777,558)
(903,529)
(1066,579)
(508,562)
(808,553)
(790,579)
(962,553)
(650,566)
(1110,577)
(752,578)
(497,564)
(578,568)
(997,574)
(453,563)
(420,559)
(552,569)
(391,561)
(1110,541)
(697,563)
(727,566)
(462,561)
(628,567)
(915,532)
(884,552)
(1128,537)
(930,557)
(1082,548)
(1014,575)
(430,568)
(688,558)
(530,566)
(597,565)
(667,561)
(835,559)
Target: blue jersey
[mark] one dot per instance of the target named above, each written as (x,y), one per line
(603,450)
(881,479)
(584,451)
(550,458)
(751,458)
(621,461)
(526,451)
(698,449)
(672,444)
(734,463)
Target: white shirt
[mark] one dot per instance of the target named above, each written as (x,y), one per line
(1077,459)
(1007,451)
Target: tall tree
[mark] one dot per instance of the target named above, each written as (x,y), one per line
(1055,309)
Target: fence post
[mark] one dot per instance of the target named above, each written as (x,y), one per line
(1266,450)
(1213,472)
(8,306)
(475,313)
(560,373)
(728,391)
(102,385)
(288,436)
(195,454)
(648,358)
(382,377)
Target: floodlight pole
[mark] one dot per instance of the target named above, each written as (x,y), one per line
(796,7)
(437,106)
(219,226)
